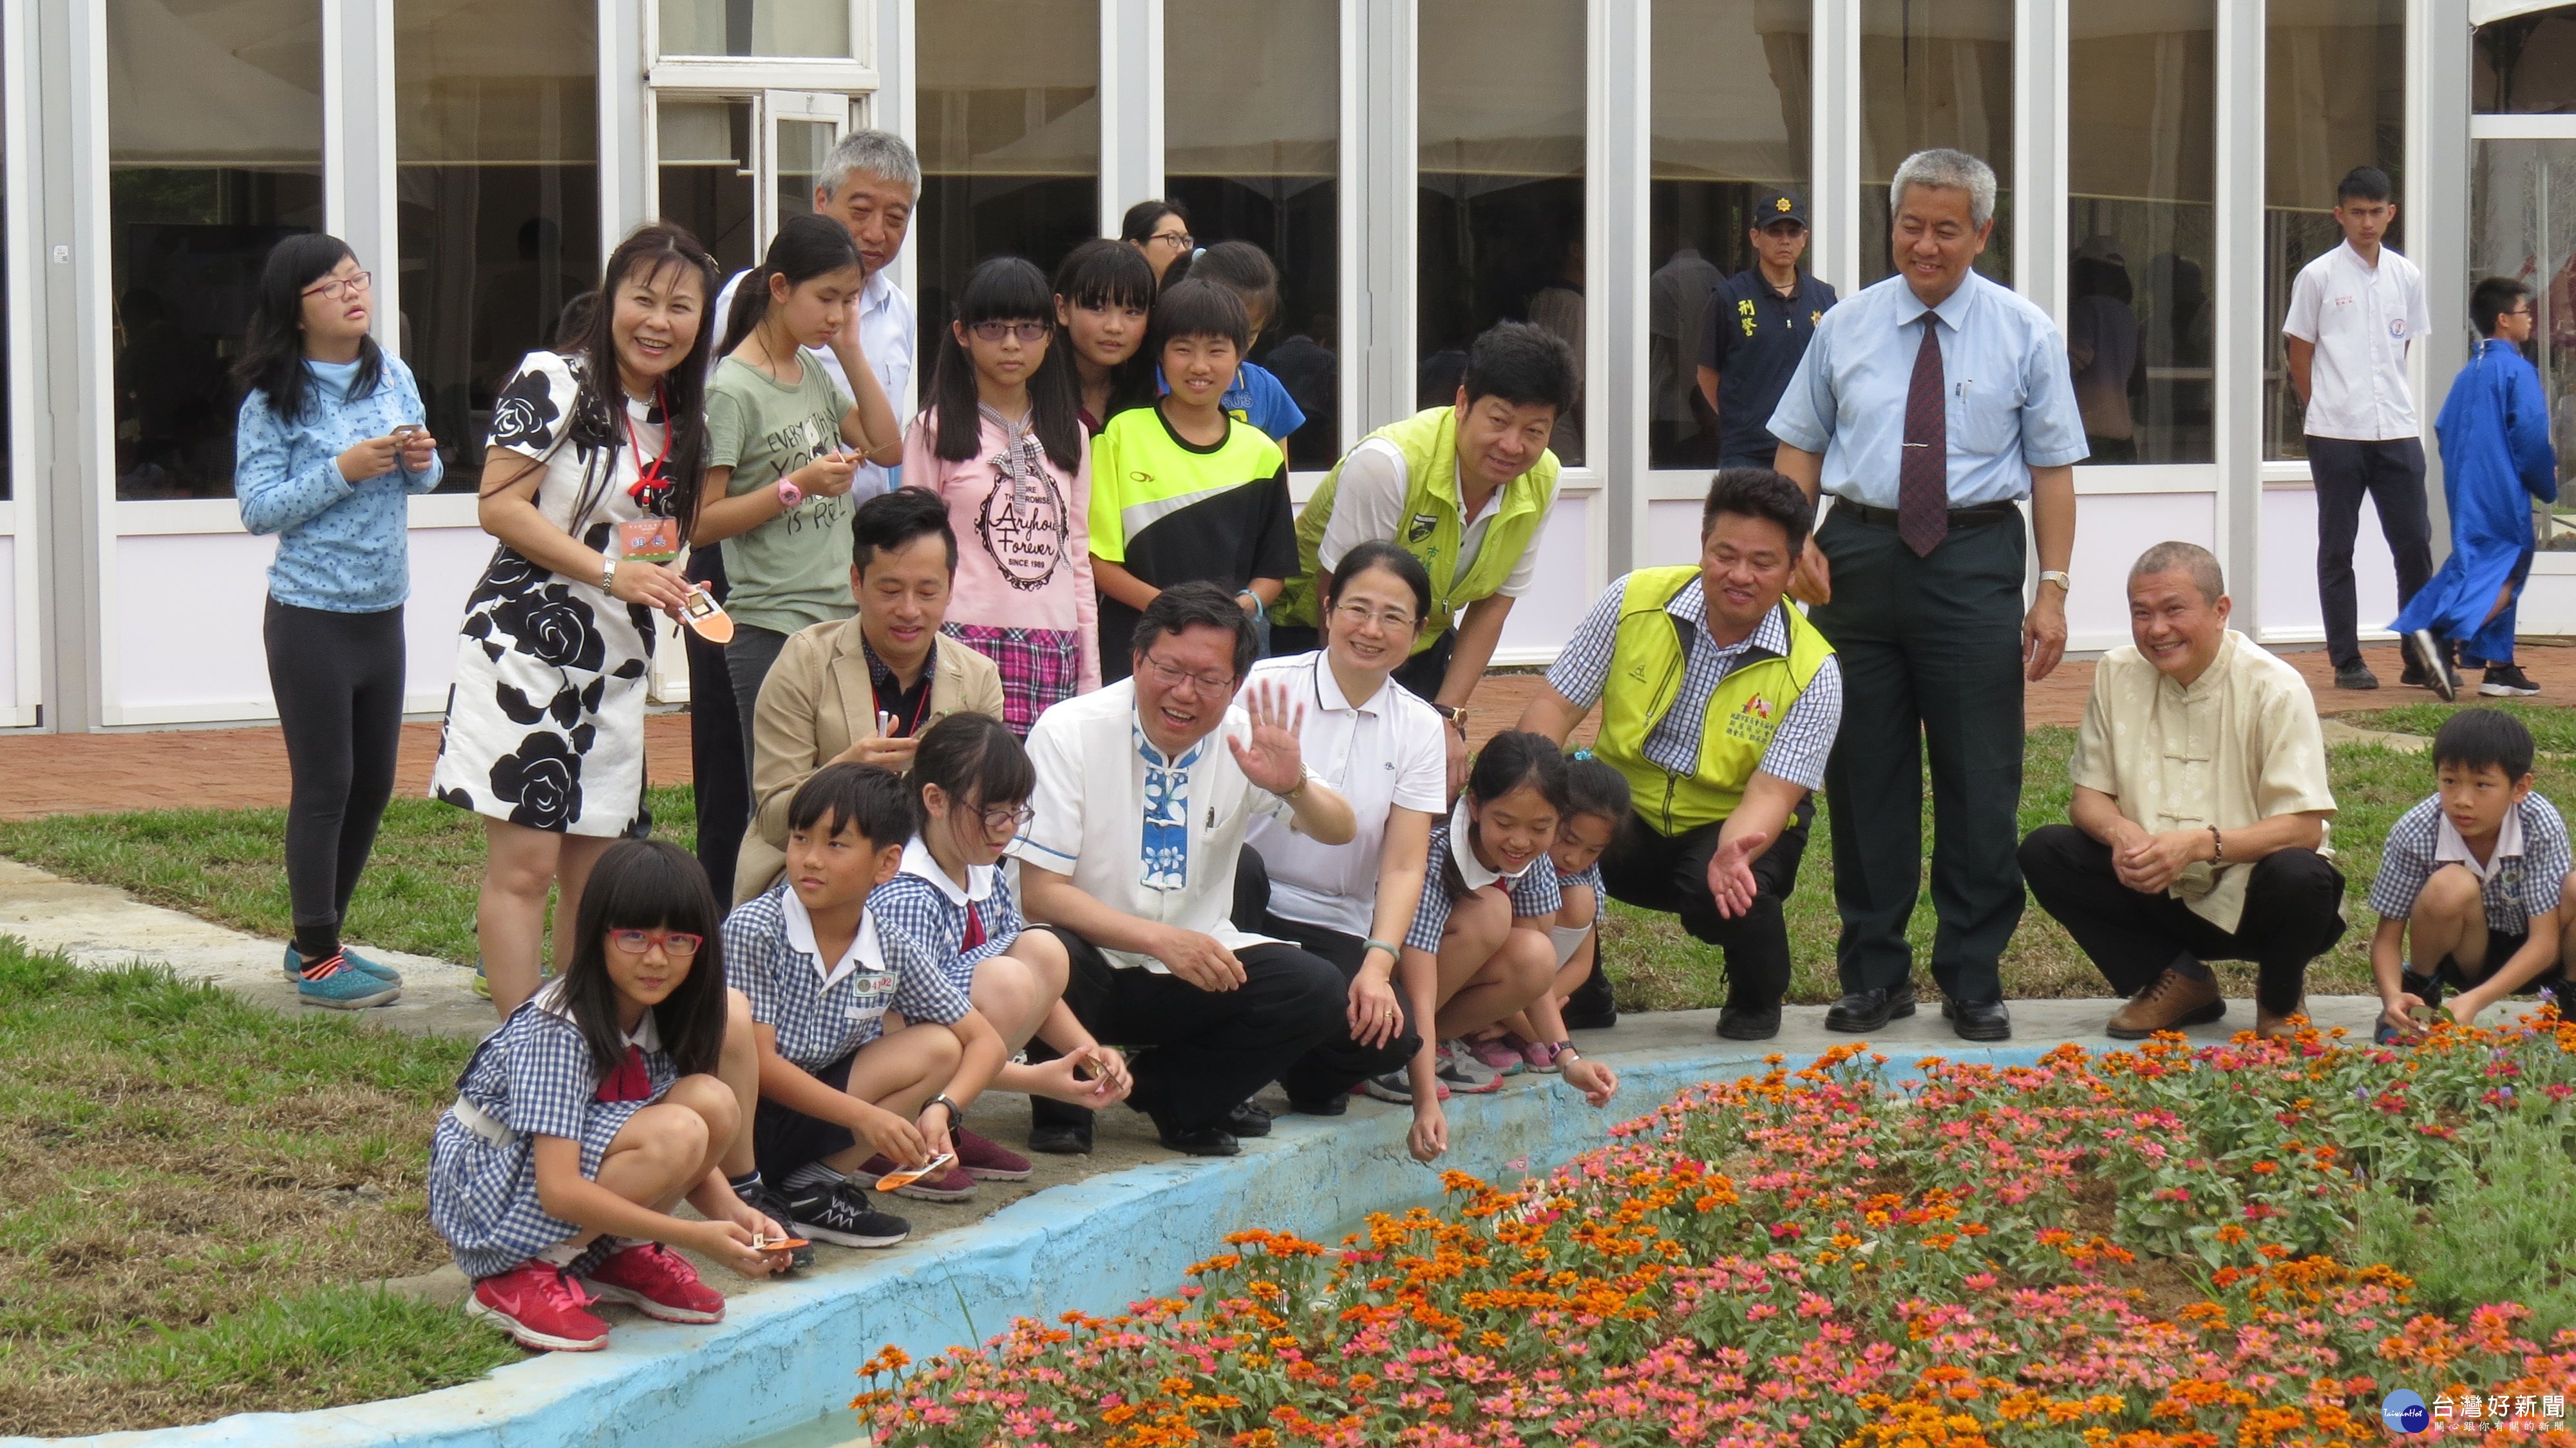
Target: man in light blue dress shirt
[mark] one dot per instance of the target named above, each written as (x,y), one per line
(1929,405)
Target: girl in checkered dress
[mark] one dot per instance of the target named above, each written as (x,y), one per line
(951,895)
(1597,807)
(593,1111)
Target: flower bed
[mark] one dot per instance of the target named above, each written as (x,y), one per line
(2101,1252)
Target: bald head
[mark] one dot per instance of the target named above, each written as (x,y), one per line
(2189,559)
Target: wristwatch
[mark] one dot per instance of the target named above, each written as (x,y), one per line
(789,495)
(2058,577)
(955,1115)
(607,574)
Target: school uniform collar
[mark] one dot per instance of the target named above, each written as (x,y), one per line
(552,999)
(2450,848)
(2352,255)
(865,949)
(1461,850)
(917,860)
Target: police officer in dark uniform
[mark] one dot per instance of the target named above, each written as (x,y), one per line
(1758,324)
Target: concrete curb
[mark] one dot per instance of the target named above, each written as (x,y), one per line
(786,1356)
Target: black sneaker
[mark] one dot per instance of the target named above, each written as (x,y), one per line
(1592,1007)
(1748,1023)
(842,1215)
(2507,681)
(2428,666)
(772,1203)
(2355,676)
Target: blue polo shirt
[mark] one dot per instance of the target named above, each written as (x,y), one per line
(1752,338)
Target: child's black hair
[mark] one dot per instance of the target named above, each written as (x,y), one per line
(1105,273)
(2364,183)
(2490,299)
(649,885)
(868,798)
(272,359)
(1594,788)
(2480,738)
(1193,308)
(976,761)
(807,246)
(1006,289)
(1509,760)
(1245,268)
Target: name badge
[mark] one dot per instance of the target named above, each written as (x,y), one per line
(649,540)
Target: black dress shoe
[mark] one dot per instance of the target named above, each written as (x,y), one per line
(1748,1023)
(1978,1020)
(1869,1010)
(1249,1119)
(1329,1106)
(1201,1140)
(1591,1007)
(1061,1138)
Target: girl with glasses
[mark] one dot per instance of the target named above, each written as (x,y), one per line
(1002,445)
(973,782)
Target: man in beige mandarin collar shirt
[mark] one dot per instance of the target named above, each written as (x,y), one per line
(2200,811)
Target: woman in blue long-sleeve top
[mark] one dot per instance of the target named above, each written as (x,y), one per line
(329,444)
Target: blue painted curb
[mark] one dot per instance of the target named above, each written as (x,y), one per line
(787,1356)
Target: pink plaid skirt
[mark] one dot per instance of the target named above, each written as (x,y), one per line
(1040,667)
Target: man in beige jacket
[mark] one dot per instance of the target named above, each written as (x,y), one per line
(862,689)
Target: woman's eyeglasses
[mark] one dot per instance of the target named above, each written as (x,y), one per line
(1176,240)
(337,288)
(1025,331)
(677,944)
(1392,620)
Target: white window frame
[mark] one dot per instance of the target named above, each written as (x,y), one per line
(744,74)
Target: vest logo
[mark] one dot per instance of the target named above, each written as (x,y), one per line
(1754,723)
(1758,706)
(1422,527)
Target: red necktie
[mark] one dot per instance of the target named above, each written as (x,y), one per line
(1923,475)
(974,928)
(629,1082)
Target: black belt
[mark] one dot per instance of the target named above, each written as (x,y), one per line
(1980,516)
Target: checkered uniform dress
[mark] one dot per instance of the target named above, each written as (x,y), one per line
(1536,892)
(926,911)
(535,1077)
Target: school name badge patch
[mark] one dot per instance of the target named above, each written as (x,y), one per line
(1755,721)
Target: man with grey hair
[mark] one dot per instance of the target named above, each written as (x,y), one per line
(2200,813)
(1930,405)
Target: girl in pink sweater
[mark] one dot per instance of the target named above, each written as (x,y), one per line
(1002,444)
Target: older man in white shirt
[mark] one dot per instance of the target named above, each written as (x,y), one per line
(2353,313)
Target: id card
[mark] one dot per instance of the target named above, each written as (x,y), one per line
(649,540)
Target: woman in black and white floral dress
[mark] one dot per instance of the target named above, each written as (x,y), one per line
(591,449)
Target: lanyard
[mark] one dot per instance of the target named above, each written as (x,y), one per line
(650,486)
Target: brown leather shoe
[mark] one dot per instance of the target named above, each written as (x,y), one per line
(2279,1028)
(2170,1002)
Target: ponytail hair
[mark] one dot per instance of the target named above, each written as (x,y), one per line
(805,247)
(1509,760)
(1006,289)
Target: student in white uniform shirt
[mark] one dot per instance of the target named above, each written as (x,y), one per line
(2353,313)
(1386,750)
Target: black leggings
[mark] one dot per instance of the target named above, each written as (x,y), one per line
(338,679)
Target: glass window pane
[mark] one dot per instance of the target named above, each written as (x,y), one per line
(1501,203)
(214,153)
(1009,138)
(706,176)
(1732,114)
(1934,73)
(2141,162)
(2526,65)
(2334,98)
(756,27)
(496,133)
(2522,224)
(802,145)
(1252,150)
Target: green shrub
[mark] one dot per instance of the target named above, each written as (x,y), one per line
(2500,1227)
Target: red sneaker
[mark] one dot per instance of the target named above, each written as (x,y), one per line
(658,1282)
(988,1161)
(537,1303)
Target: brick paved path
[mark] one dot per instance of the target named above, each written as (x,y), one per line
(246,768)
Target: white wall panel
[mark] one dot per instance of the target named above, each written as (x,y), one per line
(1672,533)
(2548,601)
(2111,530)
(2291,614)
(1562,588)
(9,640)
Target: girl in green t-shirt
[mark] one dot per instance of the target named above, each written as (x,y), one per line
(782,442)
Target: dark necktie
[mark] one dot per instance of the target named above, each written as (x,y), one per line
(1923,475)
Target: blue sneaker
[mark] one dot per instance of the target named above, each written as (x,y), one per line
(343,987)
(355,961)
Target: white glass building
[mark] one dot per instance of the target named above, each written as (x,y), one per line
(1420,168)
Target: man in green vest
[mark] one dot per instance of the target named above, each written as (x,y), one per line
(1719,703)
(1464,488)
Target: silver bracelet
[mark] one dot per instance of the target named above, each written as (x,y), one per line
(607,574)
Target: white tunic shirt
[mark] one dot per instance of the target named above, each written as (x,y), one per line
(2361,319)
(1384,754)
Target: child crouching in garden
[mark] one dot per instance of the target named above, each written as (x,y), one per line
(592,1112)
(869,1049)
(1597,807)
(972,780)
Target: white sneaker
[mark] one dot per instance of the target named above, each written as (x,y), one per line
(1461,1072)
(1395,1086)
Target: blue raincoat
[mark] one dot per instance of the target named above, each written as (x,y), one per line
(2494,432)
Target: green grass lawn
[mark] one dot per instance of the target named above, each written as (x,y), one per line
(190,1185)
(2553,726)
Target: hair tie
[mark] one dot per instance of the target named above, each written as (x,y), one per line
(1583,753)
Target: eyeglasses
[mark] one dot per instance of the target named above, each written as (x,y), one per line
(337,287)
(1393,620)
(679,945)
(1176,240)
(1171,678)
(1025,331)
(1007,820)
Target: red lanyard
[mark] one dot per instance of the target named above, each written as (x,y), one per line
(649,484)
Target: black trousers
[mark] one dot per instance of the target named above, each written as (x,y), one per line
(1930,649)
(1339,1064)
(2391,474)
(338,681)
(719,756)
(2290,916)
(748,659)
(1669,873)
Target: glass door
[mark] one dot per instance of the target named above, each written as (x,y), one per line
(800,127)
(2522,224)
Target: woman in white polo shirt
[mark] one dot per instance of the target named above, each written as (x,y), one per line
(1381,746)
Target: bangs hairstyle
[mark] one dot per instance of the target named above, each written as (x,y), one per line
(1594,788)
(1007,289)
(1105,273)
(1245,268)
(2482,739)
(649,253)
(975,760)
(1509,760)
(806,247)
(1385,557)
(868,798)
(272,359)
(1195,308)
(649,885)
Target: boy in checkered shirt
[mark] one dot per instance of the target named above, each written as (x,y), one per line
(2474,889)
(869,1049)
